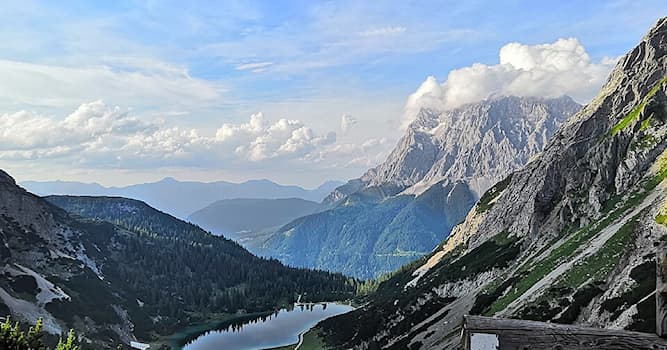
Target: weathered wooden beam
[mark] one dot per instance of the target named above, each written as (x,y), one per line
(520,335)
(661,291)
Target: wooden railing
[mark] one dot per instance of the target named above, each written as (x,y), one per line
(489,333)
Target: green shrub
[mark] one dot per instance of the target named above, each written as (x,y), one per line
(13,338)
(69,344)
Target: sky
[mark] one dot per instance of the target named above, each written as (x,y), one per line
(299,92)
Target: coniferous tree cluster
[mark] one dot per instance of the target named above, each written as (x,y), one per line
(176,270)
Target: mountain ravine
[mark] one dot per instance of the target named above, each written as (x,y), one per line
(400,210)
(570,238)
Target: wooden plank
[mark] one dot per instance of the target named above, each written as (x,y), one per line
(521,335)
(661,291)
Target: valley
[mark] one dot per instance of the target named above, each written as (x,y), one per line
(520,202)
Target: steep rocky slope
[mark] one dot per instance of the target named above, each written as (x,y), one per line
(570,238)
(400,210)
(146,274)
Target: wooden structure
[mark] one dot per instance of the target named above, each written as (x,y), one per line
(488,333)
(661,291)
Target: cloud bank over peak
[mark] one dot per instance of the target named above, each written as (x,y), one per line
(547,70)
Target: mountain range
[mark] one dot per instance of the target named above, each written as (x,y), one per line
(515,207)
(400,210)
(569,238)
(182,198)
(116,269)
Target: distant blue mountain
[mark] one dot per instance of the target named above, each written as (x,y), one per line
(236,218)
(182,198)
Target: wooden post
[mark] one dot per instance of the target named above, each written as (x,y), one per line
(661,291)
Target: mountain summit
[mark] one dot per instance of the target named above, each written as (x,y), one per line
(479,143)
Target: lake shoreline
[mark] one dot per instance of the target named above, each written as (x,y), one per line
(191,333)
(179,339)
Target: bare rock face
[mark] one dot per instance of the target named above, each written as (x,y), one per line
(569,238)
(479,143)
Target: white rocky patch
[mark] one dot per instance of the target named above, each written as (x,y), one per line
(422,270)
(88,262)
(30,312)
(127,208)
(460,288)
(47,290)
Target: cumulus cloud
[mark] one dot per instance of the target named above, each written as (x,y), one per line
(346,122)
(258,140)
(98,135)
(549,70)
(26,131)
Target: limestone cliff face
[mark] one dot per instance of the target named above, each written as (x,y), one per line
(479,144)
(569,238)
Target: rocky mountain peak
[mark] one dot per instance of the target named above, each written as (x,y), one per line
(479,143)
(6,178)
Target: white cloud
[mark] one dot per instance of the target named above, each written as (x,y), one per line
(41,85)
(383,31)
(26,131)
(352,155)
(346,122)
(96,135)
(255,67)
(549,70)
(257,140)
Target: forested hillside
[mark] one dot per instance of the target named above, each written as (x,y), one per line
(130,272)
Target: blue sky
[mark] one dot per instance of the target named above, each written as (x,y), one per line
(150,84)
